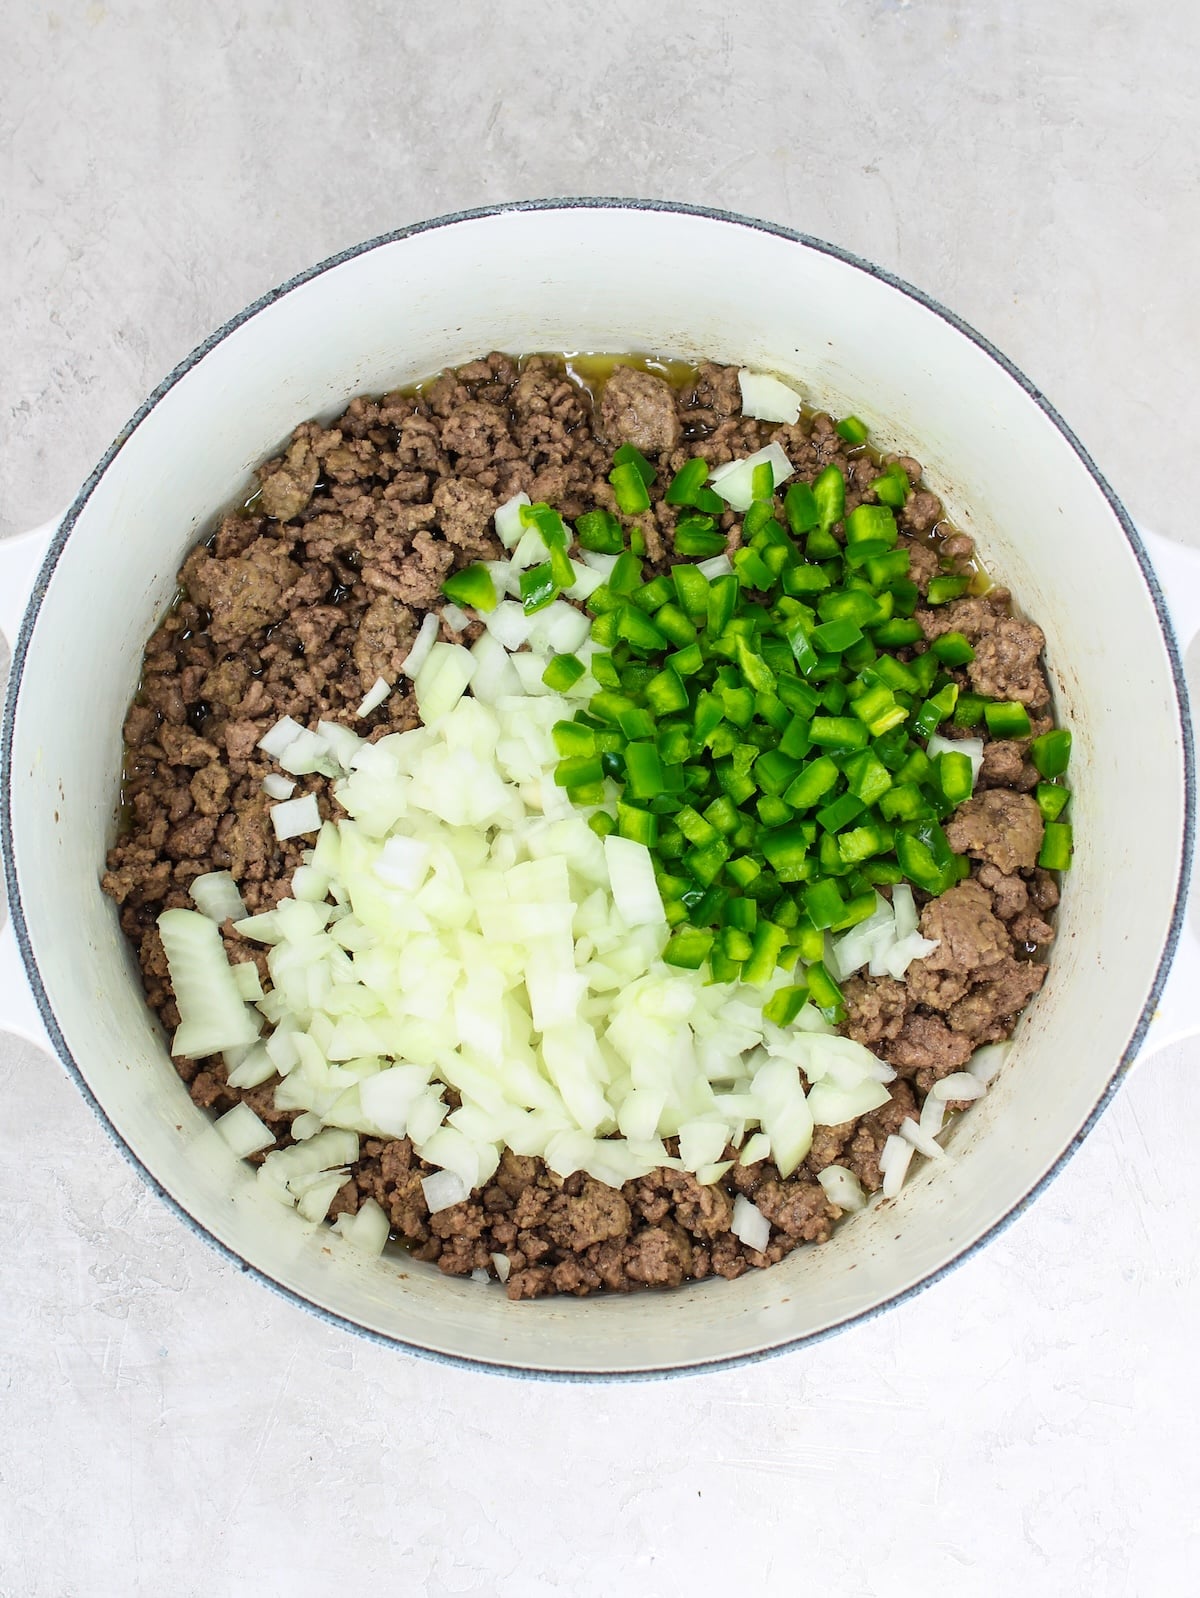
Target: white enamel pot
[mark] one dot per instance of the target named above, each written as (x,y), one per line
(615,276)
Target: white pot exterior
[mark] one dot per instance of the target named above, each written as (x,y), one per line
(611,278)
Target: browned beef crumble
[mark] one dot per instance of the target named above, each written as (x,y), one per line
(297,604)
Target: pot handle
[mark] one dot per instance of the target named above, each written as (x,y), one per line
(1178,1013)
(19,1013)
(20,562)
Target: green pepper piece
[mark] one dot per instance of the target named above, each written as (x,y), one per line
(629,489)
(829,494)
(852,429)
(538,587)
(563,672)
(1007,719)
(472,586)
(1051,752)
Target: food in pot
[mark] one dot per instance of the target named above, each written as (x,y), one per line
(589,824)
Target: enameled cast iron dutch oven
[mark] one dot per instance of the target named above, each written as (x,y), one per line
(610,276)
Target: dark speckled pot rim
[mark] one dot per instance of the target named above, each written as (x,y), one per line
(58,543)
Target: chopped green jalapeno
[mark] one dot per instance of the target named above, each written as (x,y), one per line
(627,455)
(563,672)
(942,589)
(1052,800)
(1007,719)
(765,740)
(600,531)
(893,487)
(952,649)
(629,489)
(699,536)
(472,586)
(1051,752)
(800,508)
(538,587)
(829,494)
(1055,854)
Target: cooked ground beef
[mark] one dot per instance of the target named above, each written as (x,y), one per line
(296,605)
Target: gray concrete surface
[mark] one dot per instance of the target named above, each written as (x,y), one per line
(1028,1425)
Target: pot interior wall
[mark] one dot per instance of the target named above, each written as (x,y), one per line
(610,280)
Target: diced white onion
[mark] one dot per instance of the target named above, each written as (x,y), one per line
(842,1188)
(213,1015)
(933,1115)
(749,1225)
(755,1148)
(503,1266)
(631,874)
(766,399)
(735,480)
(442,1190)
(442,680)
(715,566)
(216,896)
(378,691)
(508,624)
(419,653)
(985,1063)
(276,786)
(295,817)
(367,1229)
(904,908)
(894,1160)
(959,1085)
(455,618)
(509,529)
(911,1131)
(245,1133)
(247,980)
(277,738)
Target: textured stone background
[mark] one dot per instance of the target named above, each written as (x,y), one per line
(1027,1426)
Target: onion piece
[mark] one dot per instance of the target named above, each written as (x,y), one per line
(503,1266)
(296,817)
(508,624)
(422,644)
(921,1141)
(749,1225)
(247,980)
(277,787)
(442,1190)
(375,695)
(734,481)
(213,1015)
(754,1149)
(509,527)
(985,1063)
(277,738)
(631,875)
(958,1085)
(933,1115)
(442,680)
(216,895)
(455,617)
(904,909)
(715,566)
(368,1229)
(245,1133)
(842,1188)
(767,399)
(894,1160)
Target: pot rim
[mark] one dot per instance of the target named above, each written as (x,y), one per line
(589,203)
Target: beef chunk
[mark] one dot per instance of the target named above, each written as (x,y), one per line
(999,826)
(243,593)
(638,408)
(287,485)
